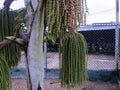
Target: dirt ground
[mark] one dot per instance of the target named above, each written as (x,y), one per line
(94,62)
(54,84)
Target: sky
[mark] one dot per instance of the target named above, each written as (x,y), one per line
(100,11)
(15,5)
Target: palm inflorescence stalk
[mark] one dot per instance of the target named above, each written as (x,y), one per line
(10,53)
(5,77)
(63,17)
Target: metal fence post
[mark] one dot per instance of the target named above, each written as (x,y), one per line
(45,58)
(117,36)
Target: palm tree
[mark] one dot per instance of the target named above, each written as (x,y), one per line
(59,16)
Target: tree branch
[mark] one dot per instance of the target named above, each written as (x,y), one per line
(4,43)
(12,39)
(18,41)
(7,4)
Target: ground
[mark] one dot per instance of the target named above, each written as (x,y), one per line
(95,62)
(54,84)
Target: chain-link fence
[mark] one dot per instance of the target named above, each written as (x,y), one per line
(95,61)
(101,54)
(101,50)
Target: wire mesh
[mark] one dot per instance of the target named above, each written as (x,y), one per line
(101,51)
(101,64)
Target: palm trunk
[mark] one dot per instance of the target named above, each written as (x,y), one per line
(35,48)
(35,53)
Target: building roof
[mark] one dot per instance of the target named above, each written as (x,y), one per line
(98,26)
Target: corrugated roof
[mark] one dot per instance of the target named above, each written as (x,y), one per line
(97,26)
